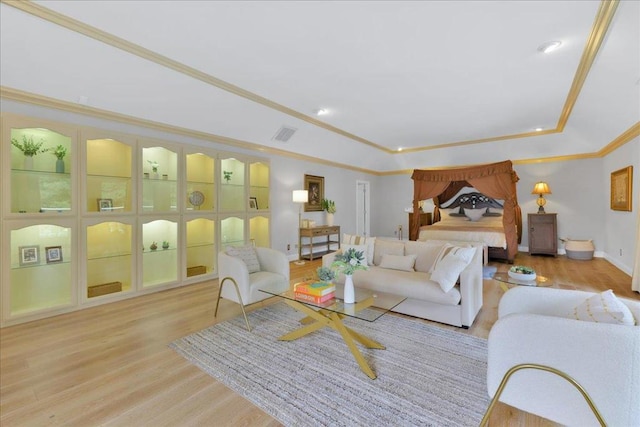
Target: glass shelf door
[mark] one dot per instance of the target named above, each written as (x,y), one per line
(108,176)
(201,248)
(41,182)
(232,231)
(110,260)
(160,180)
(41,273)
(259,185)
(232,188)
(259,231)
(201,194)
(159,252)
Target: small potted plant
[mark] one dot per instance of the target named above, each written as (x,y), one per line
(325,274)
(153,246)
(59,151)
(330,207)
(154,168)
(165,244)
(227,175)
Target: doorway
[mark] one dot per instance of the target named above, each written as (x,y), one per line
(363,220)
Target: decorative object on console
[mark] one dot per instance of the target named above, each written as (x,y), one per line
(348,262)
(300,196)
(315,187)
(329,206)
(621,186)
(541,188)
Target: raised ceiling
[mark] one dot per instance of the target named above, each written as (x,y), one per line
(450,83)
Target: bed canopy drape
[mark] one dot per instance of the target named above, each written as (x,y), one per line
(495,180)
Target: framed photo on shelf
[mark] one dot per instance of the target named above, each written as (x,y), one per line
(105,205)
(29,255)
(315,186)
(253,203)
(53,254)
(621,189)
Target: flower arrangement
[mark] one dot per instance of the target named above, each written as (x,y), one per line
(165,244)
(325,274)
(154,165)
(60,151)
(28,147)
(328,205)
(349,262)
(227,175)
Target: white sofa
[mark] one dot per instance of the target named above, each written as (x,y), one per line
(425,298)
(604,358)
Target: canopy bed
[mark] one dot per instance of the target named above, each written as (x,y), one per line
(495,181)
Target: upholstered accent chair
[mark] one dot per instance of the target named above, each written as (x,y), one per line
(241,275)
(538,326)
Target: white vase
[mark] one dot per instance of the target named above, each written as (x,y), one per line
(329,219)
(28,163)
(349,291)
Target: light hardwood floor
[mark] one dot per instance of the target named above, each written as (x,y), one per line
(110,365)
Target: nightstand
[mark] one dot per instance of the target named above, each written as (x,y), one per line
(543,234)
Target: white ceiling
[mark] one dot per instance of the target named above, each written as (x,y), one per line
(391,74)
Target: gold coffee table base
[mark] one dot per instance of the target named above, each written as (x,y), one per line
(316,320)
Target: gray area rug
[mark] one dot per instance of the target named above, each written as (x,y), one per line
(427,376)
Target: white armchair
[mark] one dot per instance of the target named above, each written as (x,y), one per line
(603,358)
(274,272)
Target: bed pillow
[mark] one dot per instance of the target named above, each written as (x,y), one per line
(247,254)
(452,215)
(474,214)
(387,247)
(447,269)
(358,248)
(604,307)
(397,262)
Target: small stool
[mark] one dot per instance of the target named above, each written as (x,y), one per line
(215,314)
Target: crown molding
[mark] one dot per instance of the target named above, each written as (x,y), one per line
(599,30)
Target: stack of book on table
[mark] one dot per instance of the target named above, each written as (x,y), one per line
(314,291)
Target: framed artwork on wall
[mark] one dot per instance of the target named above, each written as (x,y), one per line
(53,254)
(315,186)
(253,203)
(621,189)
(29,255)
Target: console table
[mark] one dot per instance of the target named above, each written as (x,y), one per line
(325,237)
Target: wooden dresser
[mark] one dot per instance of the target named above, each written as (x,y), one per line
(315,242)
(543,234)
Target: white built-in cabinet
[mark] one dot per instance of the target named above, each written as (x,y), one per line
(116,216)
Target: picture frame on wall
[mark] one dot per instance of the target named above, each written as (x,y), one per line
(253,203)
(105,205)
(315,186)
(29,255)
(621,189)
(53,254)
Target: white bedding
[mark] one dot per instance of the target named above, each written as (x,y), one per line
(488,230)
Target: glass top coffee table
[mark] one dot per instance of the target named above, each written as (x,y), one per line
(369,306)
(504,278)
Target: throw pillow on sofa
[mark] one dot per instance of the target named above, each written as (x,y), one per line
(387,247)
(397,262)
(246,254)
(426,253)
(351,239)
(604,307)
(447,268)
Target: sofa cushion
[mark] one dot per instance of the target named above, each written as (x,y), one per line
(426,253)
(413,285)
(246,254)
(387,247)
(448,268)
(370,242)
(397,262)
(604,307)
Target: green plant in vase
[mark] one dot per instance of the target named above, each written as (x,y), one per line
(328,205)
(165,244)
(29,148)
(227,175)
(59,151)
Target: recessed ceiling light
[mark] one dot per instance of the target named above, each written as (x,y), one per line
(399,148)
(320,112)
(549,46)
(538,129)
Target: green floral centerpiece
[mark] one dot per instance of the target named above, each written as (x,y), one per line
(325,274)
(349,262)
(28,147)
(328,205)
(520,272)
(60,151)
